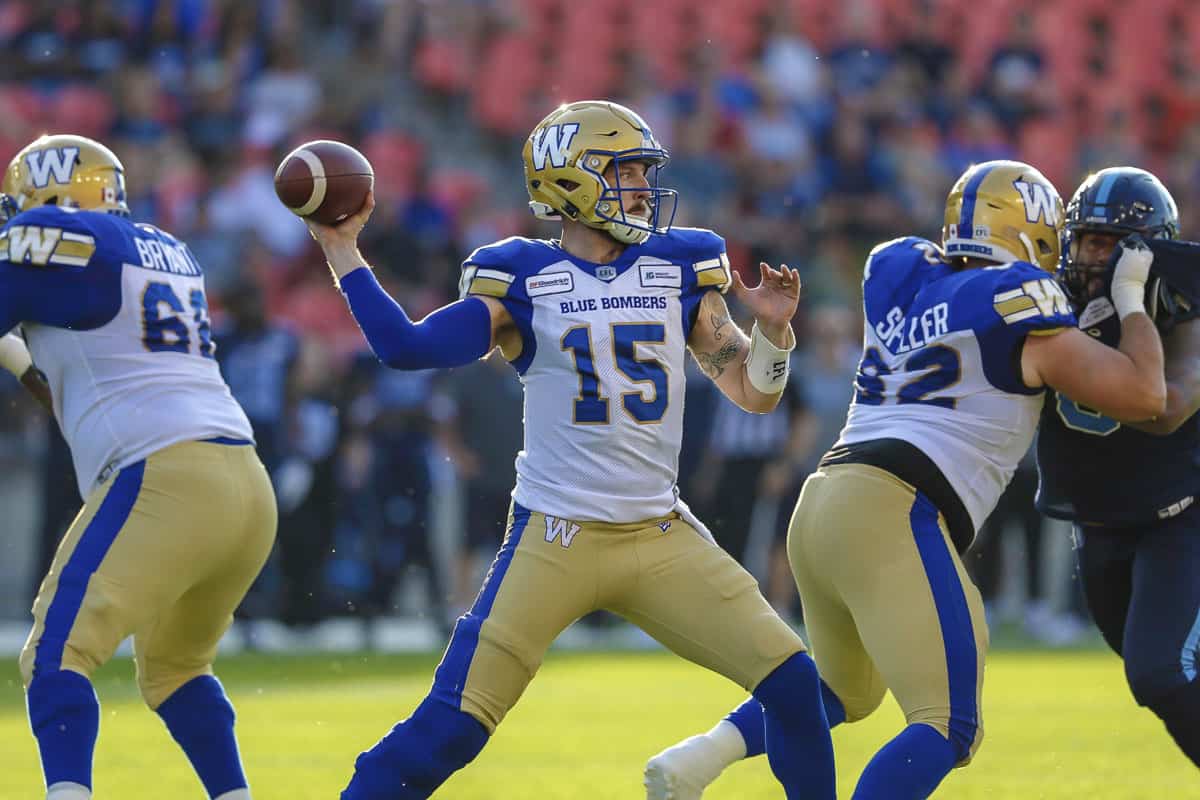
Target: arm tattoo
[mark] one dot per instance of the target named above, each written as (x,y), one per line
(719,322)
(713,364)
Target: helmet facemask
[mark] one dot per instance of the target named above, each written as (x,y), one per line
(658,203)
(1115,202)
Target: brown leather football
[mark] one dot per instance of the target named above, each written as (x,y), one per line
(324,181)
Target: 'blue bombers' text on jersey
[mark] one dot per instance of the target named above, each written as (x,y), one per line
(602,361)
(1093,469)
(114,313)
(941,363)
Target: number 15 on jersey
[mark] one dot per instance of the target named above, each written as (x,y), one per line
(648,405)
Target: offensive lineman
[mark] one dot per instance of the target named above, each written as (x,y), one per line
(960,344)
(179,513)
(597,325)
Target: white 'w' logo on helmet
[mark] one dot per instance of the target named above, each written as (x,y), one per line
(59,161)
(1038,203)
(551,142)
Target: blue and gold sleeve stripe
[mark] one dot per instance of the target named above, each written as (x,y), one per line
(74,249)
(1033,298)
(487,282)
(40,246)
(713,272)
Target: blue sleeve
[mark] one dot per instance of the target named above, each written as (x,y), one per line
(492,271)
(452,336)
(709,270)
(55,270)
(1008,305)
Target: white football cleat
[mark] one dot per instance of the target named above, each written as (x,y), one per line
(682,772)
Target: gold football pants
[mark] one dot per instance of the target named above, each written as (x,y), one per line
(659,574)
(887,603)
(164,550)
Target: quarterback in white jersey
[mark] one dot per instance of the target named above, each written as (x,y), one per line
(179,514)
(597,325)
(960,344)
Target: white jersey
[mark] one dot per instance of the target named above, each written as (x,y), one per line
(941,364)
(602,361)
(123,338)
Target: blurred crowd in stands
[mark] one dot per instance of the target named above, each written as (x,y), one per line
(804,131)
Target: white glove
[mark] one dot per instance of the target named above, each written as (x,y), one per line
(1129,278)
(14,356)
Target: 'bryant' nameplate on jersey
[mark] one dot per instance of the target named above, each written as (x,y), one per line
(663,274)
(549,283)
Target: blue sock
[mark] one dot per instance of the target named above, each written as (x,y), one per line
(418,755)
(908,767)
(748,719)
(797,734)
(200,718)
(65,717)
(835,712)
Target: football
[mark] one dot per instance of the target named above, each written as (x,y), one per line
(324,181)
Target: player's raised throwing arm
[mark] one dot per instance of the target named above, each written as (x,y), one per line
(750,370)
(455,334)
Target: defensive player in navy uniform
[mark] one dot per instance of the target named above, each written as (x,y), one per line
(1131,488)
(959,344)
(597,325)
(179,514)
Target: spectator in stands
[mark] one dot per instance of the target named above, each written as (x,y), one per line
(483,431)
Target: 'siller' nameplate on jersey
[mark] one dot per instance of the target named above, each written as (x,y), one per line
(667,275)
(549,283)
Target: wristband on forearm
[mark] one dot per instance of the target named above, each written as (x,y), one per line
(767,366)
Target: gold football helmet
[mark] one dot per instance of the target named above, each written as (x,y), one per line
(66,170)
(565,160)
(1004,211)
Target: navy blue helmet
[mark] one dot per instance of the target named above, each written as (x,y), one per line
(1120,201)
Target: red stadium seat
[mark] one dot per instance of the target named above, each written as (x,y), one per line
(1048,145)
(85,110)
(442,65)
(395,159)
(458,188)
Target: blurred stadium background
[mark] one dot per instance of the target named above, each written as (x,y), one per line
(804,131)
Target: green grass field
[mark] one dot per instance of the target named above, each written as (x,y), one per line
(1059,725)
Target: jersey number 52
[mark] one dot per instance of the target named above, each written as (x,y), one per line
(938,367)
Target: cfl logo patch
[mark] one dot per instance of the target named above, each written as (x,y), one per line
(56,161)
(551,144)
(778,369)
(562,530)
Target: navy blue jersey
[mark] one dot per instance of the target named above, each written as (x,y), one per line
(1093,469)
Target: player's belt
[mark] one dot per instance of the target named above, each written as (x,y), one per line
(912,466)
(1176,508)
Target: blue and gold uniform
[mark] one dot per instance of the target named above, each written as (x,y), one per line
(939,419)
(179,515)
(597,521)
